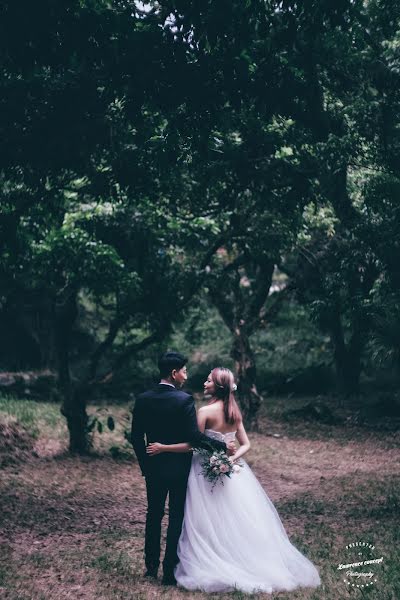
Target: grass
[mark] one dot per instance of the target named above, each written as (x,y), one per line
(37,417)
(73,528)
(45,423)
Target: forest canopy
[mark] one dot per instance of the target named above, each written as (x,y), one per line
(215,174)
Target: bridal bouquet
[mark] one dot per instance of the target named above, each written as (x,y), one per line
(216,464)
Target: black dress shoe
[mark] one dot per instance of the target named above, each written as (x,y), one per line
(151,573)
(168,580)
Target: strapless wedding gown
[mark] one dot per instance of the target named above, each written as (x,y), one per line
(232,538)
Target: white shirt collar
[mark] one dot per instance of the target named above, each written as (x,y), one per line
(163,383)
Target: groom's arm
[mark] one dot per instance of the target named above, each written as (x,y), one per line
(137,434)
(194,435)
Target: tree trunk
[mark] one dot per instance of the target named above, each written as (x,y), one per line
(347,359)
(348,369)
(245,368)
(74,410)
(73,402)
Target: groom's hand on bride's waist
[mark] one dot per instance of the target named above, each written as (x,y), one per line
(155,448)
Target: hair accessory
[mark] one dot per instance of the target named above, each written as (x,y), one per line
(233,388)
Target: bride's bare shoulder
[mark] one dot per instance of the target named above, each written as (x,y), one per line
(205,408)
(210,408)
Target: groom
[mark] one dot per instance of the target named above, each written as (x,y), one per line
(167,415)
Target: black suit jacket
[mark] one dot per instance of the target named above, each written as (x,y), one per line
(167,415)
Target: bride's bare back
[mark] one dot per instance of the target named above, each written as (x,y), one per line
(215,418)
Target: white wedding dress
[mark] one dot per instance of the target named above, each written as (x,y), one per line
(232,538)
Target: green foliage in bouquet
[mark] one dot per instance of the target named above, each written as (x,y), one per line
(216,464)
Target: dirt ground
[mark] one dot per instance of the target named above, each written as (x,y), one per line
(72,528)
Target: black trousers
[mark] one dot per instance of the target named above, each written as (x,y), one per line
(158,486)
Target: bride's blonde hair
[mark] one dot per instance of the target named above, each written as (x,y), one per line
(224,390)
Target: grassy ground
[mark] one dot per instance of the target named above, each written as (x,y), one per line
(72,528)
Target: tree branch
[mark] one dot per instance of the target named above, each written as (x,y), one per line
(133,349)
(267,315)
(94,360)
(260,296)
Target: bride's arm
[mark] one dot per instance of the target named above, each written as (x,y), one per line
(202,418)
(157,448)
(243,441)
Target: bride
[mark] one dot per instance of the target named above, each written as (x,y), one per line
(232,538)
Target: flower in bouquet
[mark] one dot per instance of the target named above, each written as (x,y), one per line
(217,464)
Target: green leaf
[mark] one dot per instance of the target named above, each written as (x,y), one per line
(91,424)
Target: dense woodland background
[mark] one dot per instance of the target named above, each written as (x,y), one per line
(217,177)
(222,178)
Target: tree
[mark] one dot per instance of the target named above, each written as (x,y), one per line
(193,164)
(342,59)
(334,274)
(78,164)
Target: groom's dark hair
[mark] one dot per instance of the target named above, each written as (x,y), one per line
(170,361)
